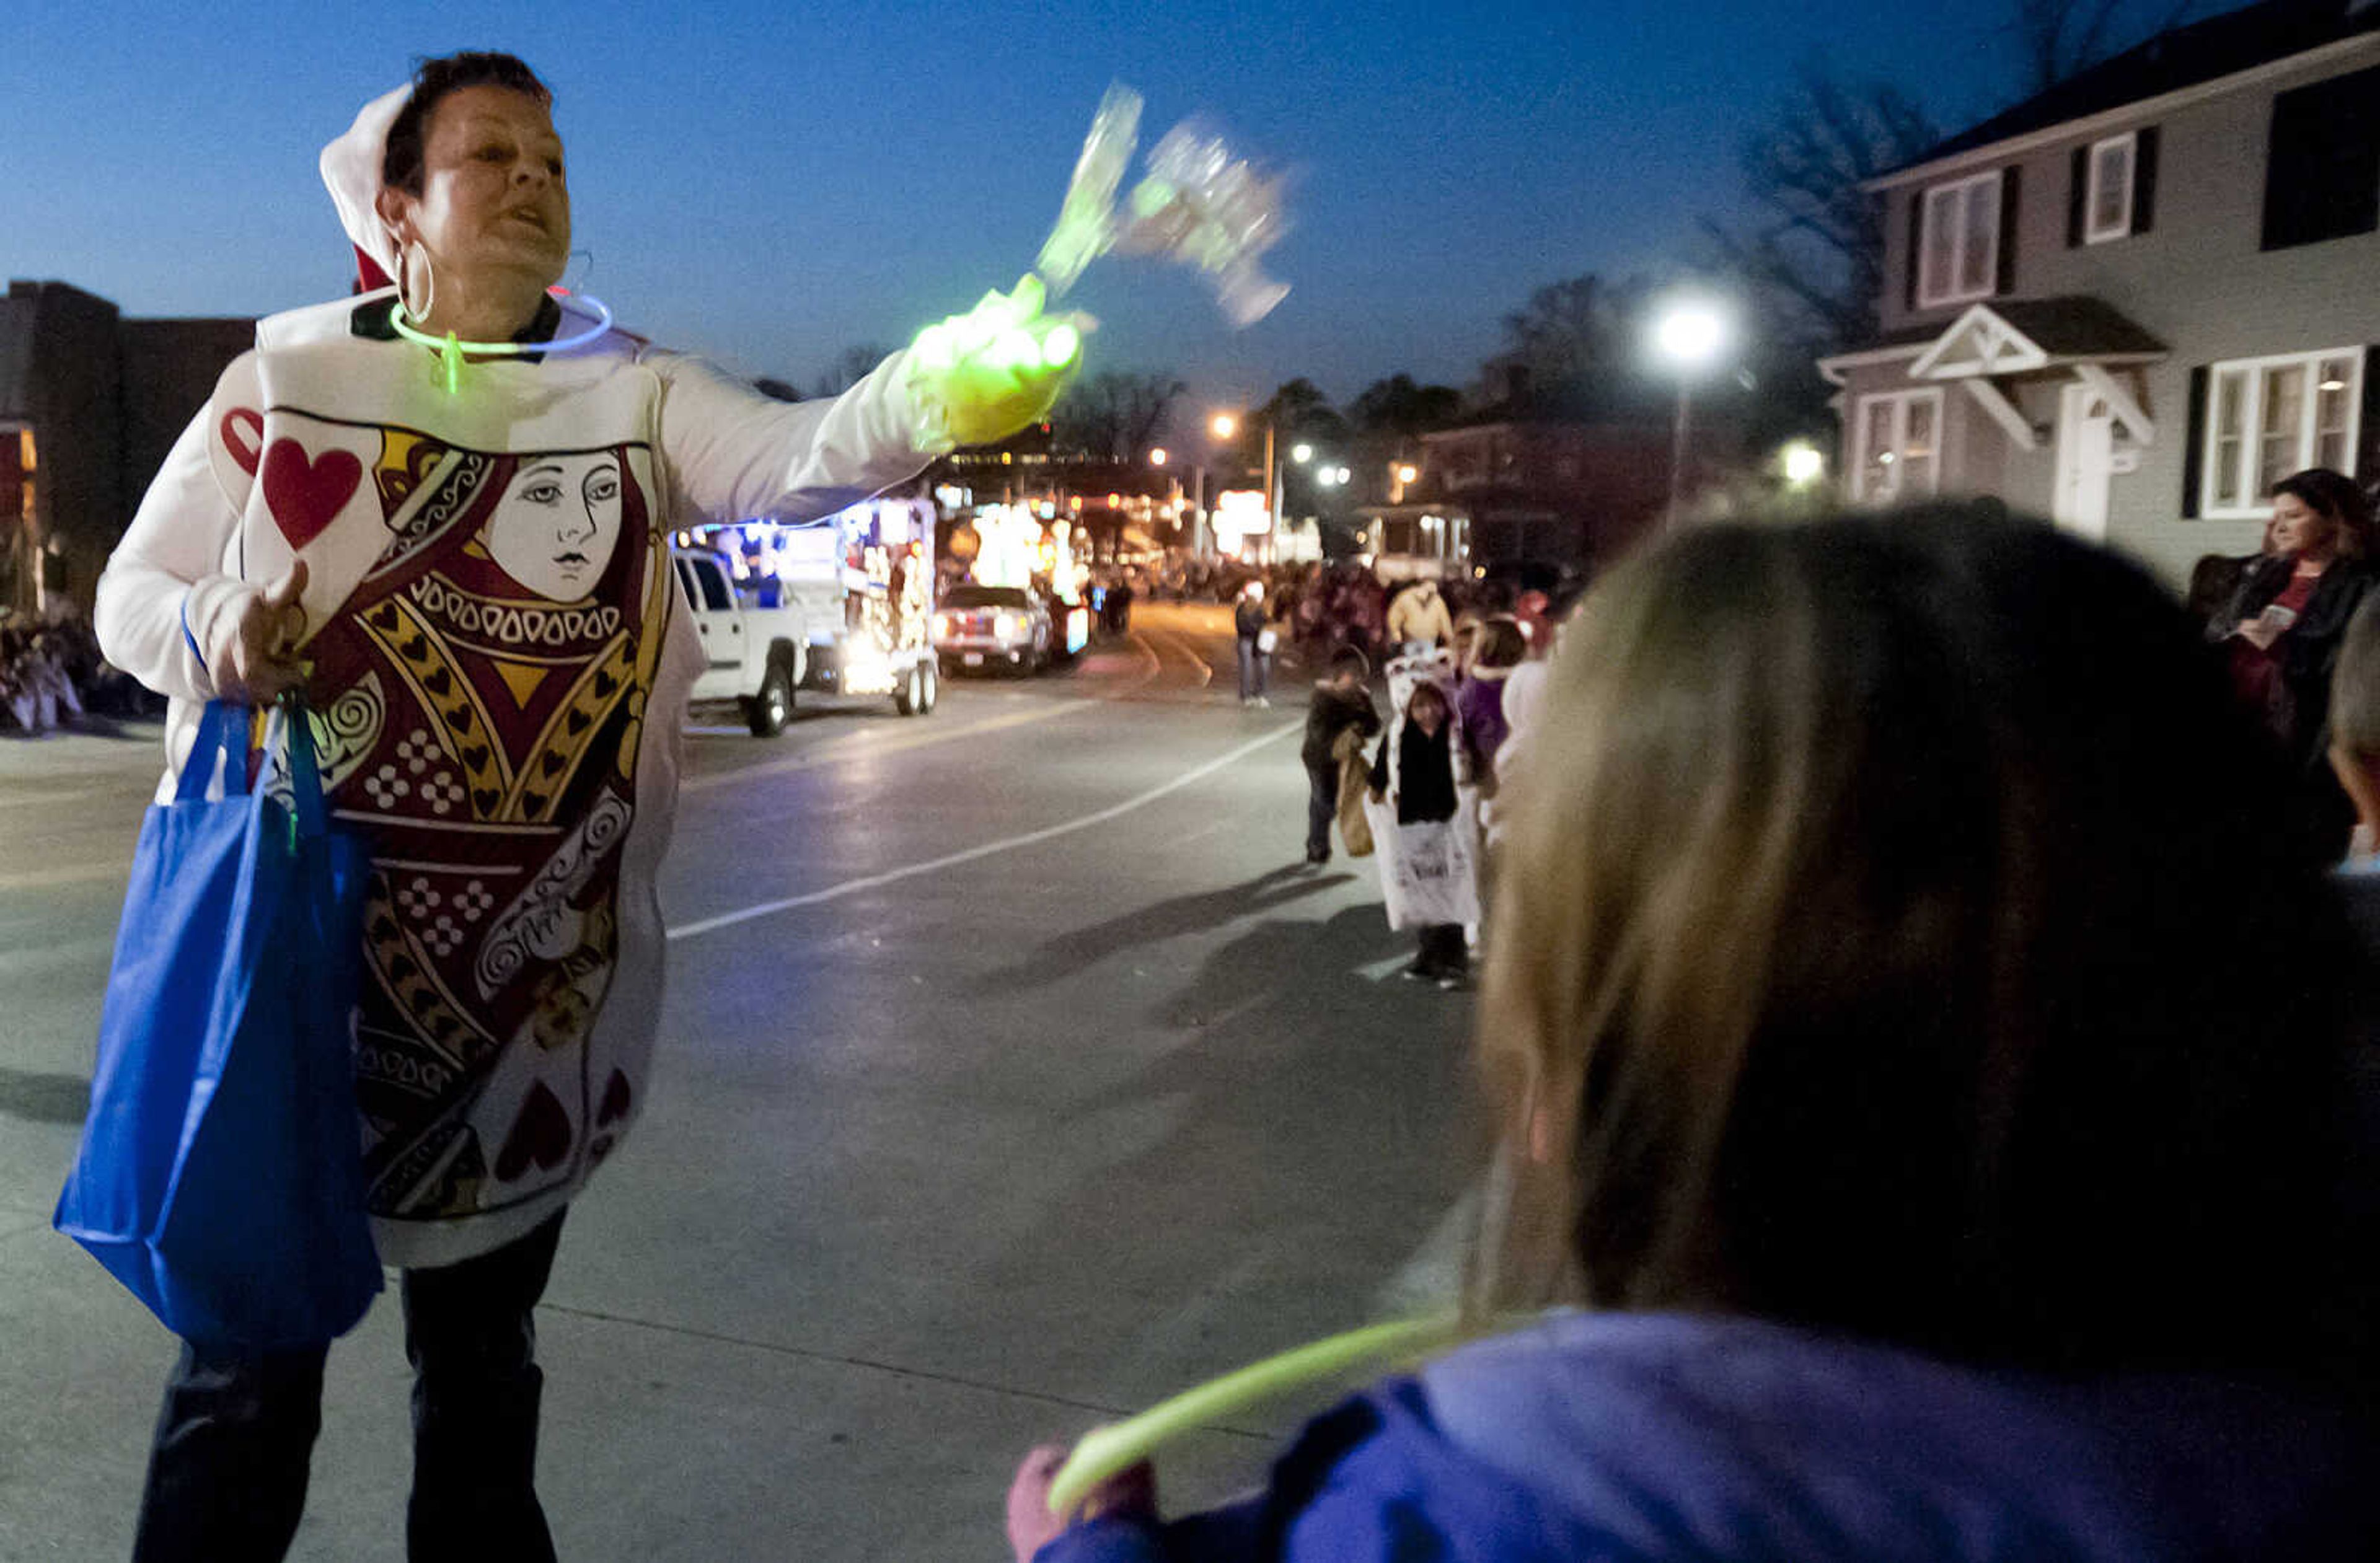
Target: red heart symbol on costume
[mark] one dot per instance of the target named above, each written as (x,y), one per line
(243,436)
(615,1100)
(540,1135)
(304,494)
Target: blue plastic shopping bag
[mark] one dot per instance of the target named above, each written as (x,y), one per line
(221,1171)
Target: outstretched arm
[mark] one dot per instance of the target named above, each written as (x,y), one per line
(971,379)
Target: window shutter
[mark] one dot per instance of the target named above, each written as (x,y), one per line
(2006,283)
(1916,247)
(2077,197)
(2144,160)
(2193,448)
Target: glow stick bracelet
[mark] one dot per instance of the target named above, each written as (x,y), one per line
(450,351)
(1104,1451)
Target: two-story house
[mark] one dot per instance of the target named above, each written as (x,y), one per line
(2135,301)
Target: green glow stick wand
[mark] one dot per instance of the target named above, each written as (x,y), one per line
(1201,204)
(1118,1446)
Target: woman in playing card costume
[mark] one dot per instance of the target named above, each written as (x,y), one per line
(442,508)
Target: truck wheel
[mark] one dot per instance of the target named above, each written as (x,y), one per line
(915,697)
(769,710)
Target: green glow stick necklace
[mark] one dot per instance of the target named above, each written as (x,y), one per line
(450,351)
(1104,1451)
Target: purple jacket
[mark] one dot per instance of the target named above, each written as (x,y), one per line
(1479,707)
(1627,1438)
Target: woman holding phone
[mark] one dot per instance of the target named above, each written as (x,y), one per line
(2283,626)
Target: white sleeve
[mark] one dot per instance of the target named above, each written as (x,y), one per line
(734,454)
(164,593)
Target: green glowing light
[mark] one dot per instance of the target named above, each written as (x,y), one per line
(1104,1451)
(1062,345)
(1015,349)
(450,350)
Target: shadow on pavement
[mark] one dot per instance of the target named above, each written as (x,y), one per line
(1075,952)
(1311,1128)
(44,1099)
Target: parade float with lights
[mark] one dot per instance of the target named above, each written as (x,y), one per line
(840,606)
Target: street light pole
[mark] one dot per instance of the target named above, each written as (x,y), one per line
(1687,334)
(1677,456)
(1272,495)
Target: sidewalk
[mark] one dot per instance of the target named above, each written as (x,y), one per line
(95,746)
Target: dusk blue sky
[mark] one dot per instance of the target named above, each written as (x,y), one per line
(767,184)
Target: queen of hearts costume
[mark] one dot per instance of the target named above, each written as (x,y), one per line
(501,666)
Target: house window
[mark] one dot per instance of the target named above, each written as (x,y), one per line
(2321,162)
(2268,417)
(2108,207)
(1960,246)
(1899,452)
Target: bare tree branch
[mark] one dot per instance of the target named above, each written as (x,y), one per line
(1816,254)
(1113,414)
(2057,40)
(850,367)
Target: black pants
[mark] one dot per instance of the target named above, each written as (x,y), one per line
(227,1468)
(1322,808)
(1444,951)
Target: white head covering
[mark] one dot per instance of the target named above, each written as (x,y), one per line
(351,168)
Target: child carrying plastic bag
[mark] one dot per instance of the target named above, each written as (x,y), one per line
(1424,818)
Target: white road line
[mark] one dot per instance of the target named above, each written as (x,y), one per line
(871,743)
(1432,1277)
(1206,669)
(1155,663)
(989,849)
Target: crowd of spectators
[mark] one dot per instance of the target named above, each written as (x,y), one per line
(51,675)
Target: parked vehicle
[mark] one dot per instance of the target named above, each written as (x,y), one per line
(992,627)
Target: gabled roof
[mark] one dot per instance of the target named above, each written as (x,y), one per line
(2171,62)
(2009,336)
(2015,334)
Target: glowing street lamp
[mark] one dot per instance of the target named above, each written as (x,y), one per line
(1224,425)
(1802,462)
(1688,336)
(1158,457)
(1300,452)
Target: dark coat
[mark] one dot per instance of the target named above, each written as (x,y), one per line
(1425,771)
(2308,650)
(1248,619)
(1335,710)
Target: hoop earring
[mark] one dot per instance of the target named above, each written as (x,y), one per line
(405,270)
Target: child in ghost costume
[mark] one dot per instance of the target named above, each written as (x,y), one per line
(500,663)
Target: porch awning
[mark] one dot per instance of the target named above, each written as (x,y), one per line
(2082,335)
(2018,336)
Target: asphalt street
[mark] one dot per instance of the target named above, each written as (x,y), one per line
(1015,1074)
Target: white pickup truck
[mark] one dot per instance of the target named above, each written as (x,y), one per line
(763,640)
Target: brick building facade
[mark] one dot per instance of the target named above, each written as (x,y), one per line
(90,404)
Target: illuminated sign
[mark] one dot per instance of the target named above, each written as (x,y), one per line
(1243,512)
